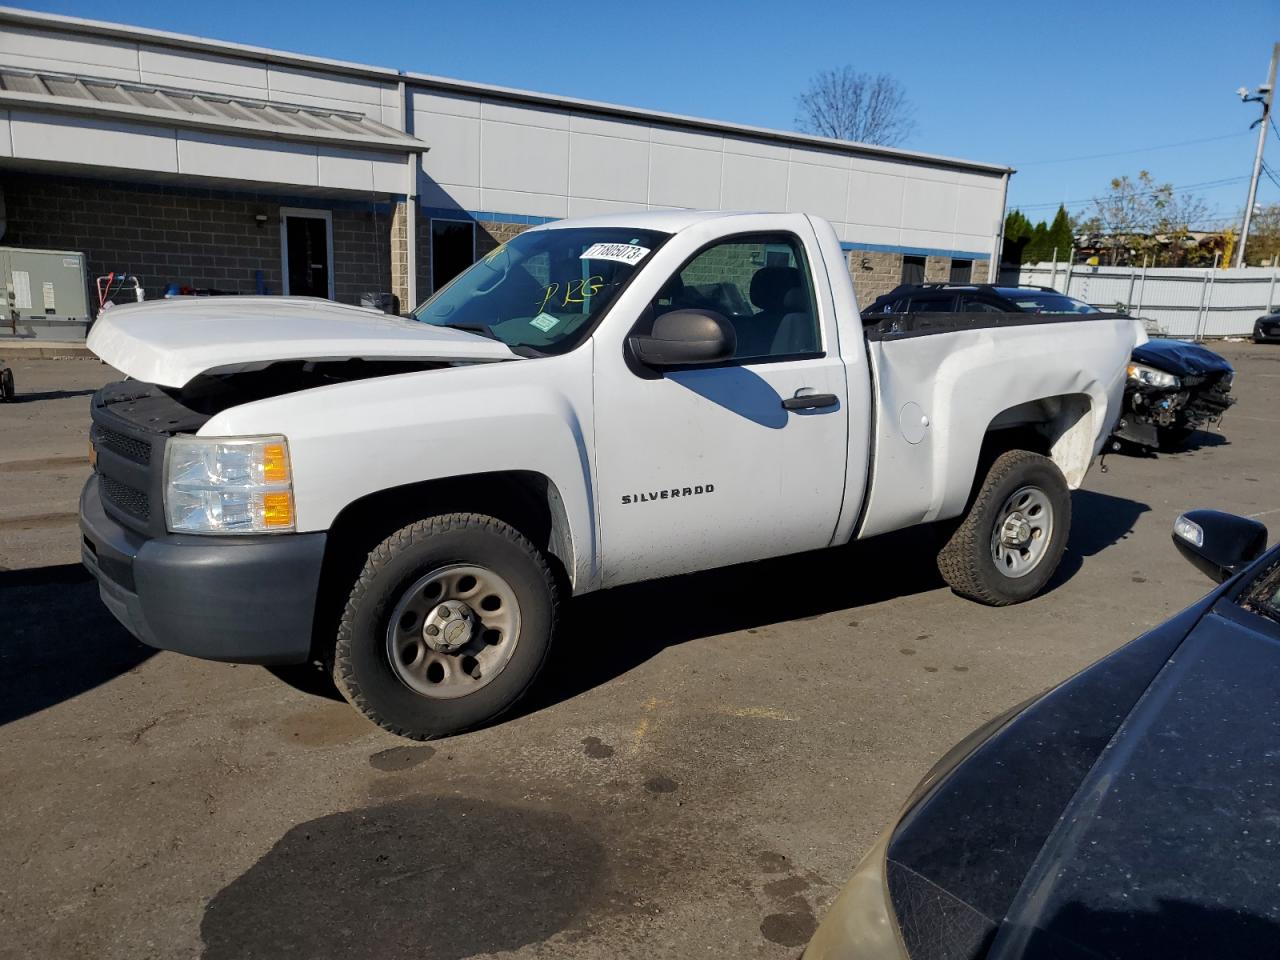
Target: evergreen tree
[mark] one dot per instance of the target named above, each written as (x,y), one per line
(1061,234)
(1017,233)
(1037,248)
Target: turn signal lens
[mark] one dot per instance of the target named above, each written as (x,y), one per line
(275,463)
(277,510)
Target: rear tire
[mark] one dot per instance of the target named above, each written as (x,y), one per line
(7,391)
(466,605)
(1010,542)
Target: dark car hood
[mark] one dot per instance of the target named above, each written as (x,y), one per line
(1183,359)
(1171,846)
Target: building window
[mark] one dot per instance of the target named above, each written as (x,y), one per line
(913,269)
(961,271)
(453,249)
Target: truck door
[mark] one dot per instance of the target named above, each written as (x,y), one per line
(736,461)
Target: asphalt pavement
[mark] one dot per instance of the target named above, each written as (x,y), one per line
(702,766)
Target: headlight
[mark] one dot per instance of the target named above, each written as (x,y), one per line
(1152,377)
(228,485)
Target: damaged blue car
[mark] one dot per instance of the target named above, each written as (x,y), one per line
(1174,388)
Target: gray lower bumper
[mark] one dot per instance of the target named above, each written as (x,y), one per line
(242,599)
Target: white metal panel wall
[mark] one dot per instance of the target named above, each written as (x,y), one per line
(69,53)
(1179,301)
(522,160)
(87,143)
(41,136)
(148,62)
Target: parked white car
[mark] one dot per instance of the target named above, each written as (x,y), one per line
(595,402)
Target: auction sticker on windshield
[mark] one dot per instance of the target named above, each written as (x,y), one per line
(544,321)
(621,252)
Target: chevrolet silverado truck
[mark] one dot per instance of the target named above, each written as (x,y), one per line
(408,501)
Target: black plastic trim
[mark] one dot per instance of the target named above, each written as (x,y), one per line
(238,599)
(911,325)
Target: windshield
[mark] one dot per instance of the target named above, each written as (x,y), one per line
(1038,301)
(544,289)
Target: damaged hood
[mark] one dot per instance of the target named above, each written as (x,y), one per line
(171,342)
(1180,358)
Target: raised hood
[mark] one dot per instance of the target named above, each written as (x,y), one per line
(171,342)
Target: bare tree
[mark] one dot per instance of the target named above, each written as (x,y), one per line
(849,105)
(1137,218)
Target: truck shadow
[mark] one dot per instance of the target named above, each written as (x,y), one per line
(1098,521)
(612,632)
(58,640)
(51,395)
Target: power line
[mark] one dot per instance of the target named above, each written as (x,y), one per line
(1270,176)
(1125,153)
(1203,185)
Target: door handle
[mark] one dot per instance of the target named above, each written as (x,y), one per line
(810,401)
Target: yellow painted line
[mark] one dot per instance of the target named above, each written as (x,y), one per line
(642,728)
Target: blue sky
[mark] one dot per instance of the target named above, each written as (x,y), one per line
(1035,88)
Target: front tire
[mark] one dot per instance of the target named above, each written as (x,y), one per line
(447,626)
(1012,539)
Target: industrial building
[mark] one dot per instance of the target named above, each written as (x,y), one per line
(201,165)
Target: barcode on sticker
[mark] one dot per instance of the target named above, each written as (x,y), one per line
(621,252)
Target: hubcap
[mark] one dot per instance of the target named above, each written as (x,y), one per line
(453,631)
(1022,533)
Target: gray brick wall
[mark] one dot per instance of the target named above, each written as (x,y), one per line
(874,273)
(186,235)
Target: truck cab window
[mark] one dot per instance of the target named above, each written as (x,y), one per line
(761,284)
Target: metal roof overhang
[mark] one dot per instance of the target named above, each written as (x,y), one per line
(192,109)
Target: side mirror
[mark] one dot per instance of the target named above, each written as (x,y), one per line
(684,337)
(1219,544)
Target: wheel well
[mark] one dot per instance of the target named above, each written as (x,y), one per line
(1059,427)
(528,501)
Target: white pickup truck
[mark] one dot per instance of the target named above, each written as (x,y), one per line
(596,402)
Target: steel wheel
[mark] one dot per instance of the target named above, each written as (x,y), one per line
(453,631)
(1022,532)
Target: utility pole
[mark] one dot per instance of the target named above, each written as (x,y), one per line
(1263,96)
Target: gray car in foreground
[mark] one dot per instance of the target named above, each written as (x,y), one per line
(1131,812)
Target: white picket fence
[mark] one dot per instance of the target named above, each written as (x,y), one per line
(1186,302)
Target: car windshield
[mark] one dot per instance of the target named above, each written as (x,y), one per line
(1044,301)
(543,290)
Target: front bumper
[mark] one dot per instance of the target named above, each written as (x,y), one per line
(1266,333)
(240,599)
